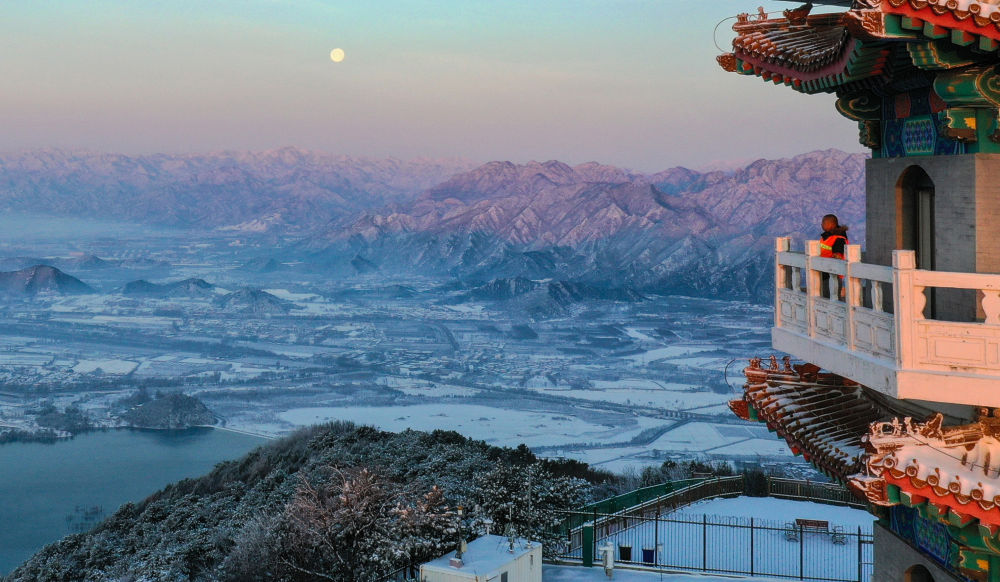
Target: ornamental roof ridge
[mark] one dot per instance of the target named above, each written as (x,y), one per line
(956,468)
(982,13)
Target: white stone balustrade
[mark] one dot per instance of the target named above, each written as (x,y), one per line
(875,331)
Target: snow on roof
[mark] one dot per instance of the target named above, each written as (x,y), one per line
(954,467)
(818,415)
(484,555)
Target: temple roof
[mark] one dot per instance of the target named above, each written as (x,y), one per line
(956,469)
(853,49)
(803,47)
(811,53)
(839,428)
(819,415)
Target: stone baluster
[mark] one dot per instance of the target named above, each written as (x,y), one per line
(878,304)
(781,245)
(919,301)
(814,279)
(852,296)
(991,306)
(833,286)
(910,301)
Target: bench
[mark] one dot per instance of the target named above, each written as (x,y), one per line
(792,530)
(813,525)
(803,525)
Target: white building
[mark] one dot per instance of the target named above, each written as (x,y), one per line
(489,558)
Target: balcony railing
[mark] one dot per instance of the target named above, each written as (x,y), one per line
(869,323)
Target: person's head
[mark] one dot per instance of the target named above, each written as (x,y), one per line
(830,222)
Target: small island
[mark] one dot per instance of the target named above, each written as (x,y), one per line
(171,411)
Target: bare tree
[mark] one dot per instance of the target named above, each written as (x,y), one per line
(359,526)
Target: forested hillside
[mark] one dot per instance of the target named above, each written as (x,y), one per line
(332,502)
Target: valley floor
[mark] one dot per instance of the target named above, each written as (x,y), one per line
(618,384)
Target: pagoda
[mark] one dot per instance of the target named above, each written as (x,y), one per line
(898,395)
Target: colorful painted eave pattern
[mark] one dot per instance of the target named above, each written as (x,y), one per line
(947,474)
(818,416)
(955,470)
(814,56)
(822,53)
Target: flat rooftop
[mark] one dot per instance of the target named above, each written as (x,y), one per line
(484,555)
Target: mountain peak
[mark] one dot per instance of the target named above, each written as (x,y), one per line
(41,279)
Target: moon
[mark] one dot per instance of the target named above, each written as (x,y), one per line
(337,55)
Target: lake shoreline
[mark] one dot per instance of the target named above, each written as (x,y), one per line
(46,484)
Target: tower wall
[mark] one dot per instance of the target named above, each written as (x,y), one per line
(894,558)
(965,224)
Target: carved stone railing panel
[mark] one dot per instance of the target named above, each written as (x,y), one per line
(874,333)
(946,346)
(830,320)
(791,311)
(878,333)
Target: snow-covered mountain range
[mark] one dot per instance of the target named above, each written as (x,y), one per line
(288,188)
(678,230)
(674,231)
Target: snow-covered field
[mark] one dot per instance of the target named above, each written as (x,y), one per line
(782,510)
(493,425)
(582,382)
(639,392)
(700,436)
(115,367)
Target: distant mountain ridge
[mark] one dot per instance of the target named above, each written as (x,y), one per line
(674,231)
(287,188)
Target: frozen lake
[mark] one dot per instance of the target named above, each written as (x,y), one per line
(49,490)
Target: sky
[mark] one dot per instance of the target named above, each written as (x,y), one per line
(627,82)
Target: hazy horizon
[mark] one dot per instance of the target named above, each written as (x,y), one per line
(615,82)
(706,166)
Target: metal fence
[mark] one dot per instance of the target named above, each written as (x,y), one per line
(802,549)
(809,491)
(728,545)
(409,573)
(677,495)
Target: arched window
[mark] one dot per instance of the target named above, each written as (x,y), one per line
(915,215)
(915,223)
(918,573)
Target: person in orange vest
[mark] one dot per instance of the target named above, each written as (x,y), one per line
(832,244)
(834,238)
